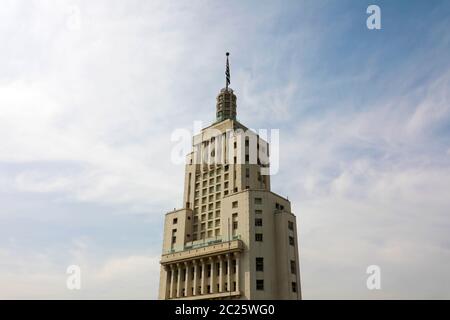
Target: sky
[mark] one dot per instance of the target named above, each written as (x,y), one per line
(91,91)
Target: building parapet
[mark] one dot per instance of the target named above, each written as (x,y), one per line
(211,296)
(209,249)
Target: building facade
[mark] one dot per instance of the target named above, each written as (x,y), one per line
(233,238)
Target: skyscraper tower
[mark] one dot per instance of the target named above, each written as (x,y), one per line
(234,238)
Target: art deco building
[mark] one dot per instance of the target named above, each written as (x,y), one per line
(233,238)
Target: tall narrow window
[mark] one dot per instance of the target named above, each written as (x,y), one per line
(290,225)
(291,241)
(293,267)
(259,284)
(294,286)
(259,264)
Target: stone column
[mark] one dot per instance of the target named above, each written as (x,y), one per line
(179,280)
(187,281)
(195,282)
(203,281)
(237,255)
(172,282)
(167,285)
(229,271)
(221,273)
(212,282)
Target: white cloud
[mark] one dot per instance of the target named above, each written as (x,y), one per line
(86,112)
(41,276)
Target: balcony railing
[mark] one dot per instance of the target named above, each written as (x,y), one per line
(202,243)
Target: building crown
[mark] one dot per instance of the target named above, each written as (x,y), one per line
(226,99)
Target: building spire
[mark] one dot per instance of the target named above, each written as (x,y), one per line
(226,99)
(227,73)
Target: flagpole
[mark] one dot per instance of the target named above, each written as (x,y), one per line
(227,72)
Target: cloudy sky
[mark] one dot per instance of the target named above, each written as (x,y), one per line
(90,92)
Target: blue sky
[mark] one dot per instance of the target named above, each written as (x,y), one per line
(91,92)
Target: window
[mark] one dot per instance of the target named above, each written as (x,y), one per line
(234,266)
(258,237)
(258,211)
(175,220)
(293,267)
(290,225)
(208,270)
(259,264)
(291,241)
(235,225)
(259,284)
(258,200)
(174,239)
(294,286)
(234,204)
(247,158)
(247,172)
(258,222)
(226,169)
